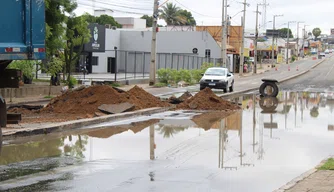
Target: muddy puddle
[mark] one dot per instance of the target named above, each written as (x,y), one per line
(262,147)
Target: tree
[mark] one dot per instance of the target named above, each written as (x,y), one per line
(316,32)
(149,20)
(284,33)
(55,65)
(171,14)
(77,34)
(55,17)
(101,20)
(187,18)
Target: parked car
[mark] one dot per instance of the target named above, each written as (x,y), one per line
(322,54)
(326,51)
(218,78)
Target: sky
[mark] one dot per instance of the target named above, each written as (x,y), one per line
(208,12)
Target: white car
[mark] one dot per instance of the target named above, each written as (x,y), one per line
(326,51)
(218,78)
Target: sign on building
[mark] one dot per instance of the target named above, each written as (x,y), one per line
(272,33)
(97,40)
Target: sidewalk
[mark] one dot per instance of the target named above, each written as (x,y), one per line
(318,179)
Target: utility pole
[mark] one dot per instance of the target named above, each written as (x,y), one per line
(298,39)
(273,43)
(304,37)
(154,43)
(256,36)
(222,47)
(288,36)
(243,23)
(225,33)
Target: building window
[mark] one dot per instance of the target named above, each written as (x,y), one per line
(95,61)
(207,53)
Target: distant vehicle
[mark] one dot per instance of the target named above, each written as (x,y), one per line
(251,59)
(326,51)
(331,51)
(219,78)
(322,54)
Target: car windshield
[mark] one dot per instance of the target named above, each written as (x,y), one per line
(215,72)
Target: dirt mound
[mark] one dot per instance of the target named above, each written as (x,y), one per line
(87,101)
(207,120)
(147,99)
(185,96)
(207,100)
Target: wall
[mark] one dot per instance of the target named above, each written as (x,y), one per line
(112,40)
(170,42)
(129,22)
(174,50)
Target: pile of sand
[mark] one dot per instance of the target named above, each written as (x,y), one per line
(87,101)
(207,100)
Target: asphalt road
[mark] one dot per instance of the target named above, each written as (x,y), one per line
(318,79)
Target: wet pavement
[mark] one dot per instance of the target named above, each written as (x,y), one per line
(256,149)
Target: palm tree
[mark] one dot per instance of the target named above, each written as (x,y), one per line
(171,14)
(169,130)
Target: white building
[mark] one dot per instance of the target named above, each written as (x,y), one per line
(175,49)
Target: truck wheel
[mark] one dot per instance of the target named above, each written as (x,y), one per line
(274,89)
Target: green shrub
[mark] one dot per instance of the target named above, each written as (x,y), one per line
(160,85)
(164,75)
(185,75)
(72,82)
(27,67)
(173,76)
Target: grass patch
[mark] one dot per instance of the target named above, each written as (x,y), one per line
(48,97)
(329,165)
(115,85)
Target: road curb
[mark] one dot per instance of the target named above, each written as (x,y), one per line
(68,125)
(303,176)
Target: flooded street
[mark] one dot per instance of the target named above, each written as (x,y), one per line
(256,149)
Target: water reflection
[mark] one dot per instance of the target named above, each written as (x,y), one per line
(242,136)
(46,148)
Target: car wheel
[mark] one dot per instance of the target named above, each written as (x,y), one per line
(232,87)
(201,87)
(225,90)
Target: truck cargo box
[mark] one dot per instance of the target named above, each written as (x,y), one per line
(22,31)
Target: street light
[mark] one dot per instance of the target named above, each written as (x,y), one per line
(273,44)
(264,24)
(288,35)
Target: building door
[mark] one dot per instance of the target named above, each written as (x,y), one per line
(111,65)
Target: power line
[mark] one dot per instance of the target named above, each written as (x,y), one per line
(115,10)
(195,11)
(120,6)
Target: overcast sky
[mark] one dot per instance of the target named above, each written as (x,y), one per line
(208,12)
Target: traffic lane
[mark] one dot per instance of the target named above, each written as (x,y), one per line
(320,77)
